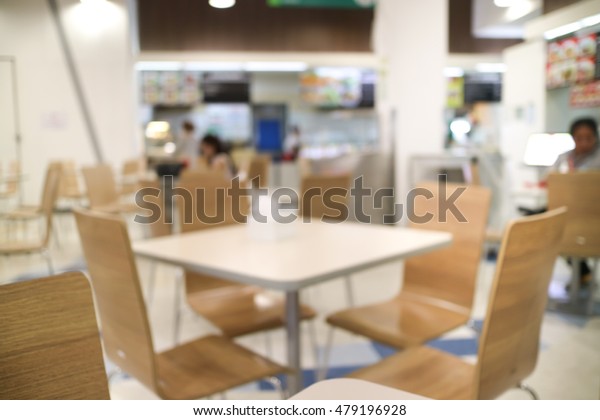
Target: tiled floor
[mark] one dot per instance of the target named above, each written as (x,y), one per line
(568,365)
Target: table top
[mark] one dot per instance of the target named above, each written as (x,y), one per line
(353,390)
(317,252)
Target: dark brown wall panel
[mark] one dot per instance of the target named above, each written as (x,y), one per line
(552,5)
(461,39)
(192,25)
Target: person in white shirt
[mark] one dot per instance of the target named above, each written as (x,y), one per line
(187,144)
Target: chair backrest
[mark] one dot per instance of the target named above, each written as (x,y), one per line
(14,171)
(213,204)
(210,198)
(49,341)
(580,193)
(450,274)
(49,197)
(134,167)
(125,330)
(160,227)
(509,343)
(69,182)
(313,201)
(100,185)
(258,171)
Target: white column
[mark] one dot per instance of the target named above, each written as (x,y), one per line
(411,40)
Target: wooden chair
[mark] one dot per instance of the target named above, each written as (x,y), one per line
(438,290)
(50,343)
(131,173)
(258,171)
(313,196)
(69,187)
(509,344)
(580,192)
(197,369)
(10,188)
(50,192)
(102,191)
(236,309)
(312,204)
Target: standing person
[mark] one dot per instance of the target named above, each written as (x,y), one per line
(292,143)
(213,152)
(187,144)
(584,157)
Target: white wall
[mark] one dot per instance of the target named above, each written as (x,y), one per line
(52,123)
(411,39)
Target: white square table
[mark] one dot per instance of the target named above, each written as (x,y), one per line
(318,252)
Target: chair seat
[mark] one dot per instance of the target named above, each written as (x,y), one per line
(238,310)
(117,208)
(13,248)
(208,366)
(423,371)
(405,321)
(23,213)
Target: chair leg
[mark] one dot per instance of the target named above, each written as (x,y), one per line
(324,367)
(48,258)
(471,324)
(151,282)
(177,308)
(114,373)
(593,288)
(534,395)
(312,335)
(574,291)
(268,344)
(276,382)
(349,291)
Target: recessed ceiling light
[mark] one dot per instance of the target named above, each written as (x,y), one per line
(222,4)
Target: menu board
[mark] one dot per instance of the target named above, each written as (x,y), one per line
(332,87)
(170,88)
(586,96)
(573,61)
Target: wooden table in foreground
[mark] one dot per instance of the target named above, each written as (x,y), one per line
(318,252)
(349,389)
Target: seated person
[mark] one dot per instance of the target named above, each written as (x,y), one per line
(584,157)
(215,157)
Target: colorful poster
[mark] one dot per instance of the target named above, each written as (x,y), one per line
(572,61)
(586,96)
(456,93)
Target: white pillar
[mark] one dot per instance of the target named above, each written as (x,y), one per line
(411,40)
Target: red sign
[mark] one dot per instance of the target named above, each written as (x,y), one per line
(586,96)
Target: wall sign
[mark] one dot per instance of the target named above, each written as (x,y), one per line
(572,61)
(586,96)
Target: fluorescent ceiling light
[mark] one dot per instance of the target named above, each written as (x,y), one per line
(543,149)
(93,1)
(292,66)
(213,66)
(507,3)
(158,66)
(572,27)
(590,21)
(453,72)
(491,67)
(222,4)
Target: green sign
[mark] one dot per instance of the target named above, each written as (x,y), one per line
(342,4)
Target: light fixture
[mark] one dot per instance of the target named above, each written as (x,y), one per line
(572,27)
(276,66)
(93,1)
(222,4)
(507,3)
(543,149)
(453,72)
(490,67)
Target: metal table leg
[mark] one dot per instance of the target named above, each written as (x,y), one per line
(576,270)
(292,320)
